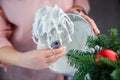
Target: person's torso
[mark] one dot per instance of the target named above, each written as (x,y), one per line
(21,14)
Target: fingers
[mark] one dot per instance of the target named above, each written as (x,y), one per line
(5,67)
(73,11)
(51,52)
(55,54)
(92,23)
(76,9)
(49,56)
(59,55)
(59,50)
(50,59)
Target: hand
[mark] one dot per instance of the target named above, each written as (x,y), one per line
(92,23)
(76,10)
(41,59)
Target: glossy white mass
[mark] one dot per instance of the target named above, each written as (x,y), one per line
(82,30)
(72,30)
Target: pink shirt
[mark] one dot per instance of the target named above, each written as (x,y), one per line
(20,13)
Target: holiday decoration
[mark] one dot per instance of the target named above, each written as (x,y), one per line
(108,54)
(52,28)
(101,59)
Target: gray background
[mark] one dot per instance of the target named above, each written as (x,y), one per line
(106,14)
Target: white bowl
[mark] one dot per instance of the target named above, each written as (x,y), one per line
(82,30)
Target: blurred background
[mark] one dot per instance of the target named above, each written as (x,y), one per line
(106,14)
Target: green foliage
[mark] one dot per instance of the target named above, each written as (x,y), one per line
(108,42)
(116,74)
(85,62)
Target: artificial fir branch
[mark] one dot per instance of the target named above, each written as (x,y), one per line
(115,45)
(85,62)
(76,56)
(116,74)
(108,63)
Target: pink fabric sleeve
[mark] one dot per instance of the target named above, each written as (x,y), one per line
(83,3)
(5,31)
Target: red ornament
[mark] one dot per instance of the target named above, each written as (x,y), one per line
(108,54)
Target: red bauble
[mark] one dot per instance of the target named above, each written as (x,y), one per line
(108,54)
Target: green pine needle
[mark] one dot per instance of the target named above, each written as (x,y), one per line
(85,63)
(116,74)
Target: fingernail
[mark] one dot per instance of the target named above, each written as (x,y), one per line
(76,12)
(98,31)
(81,13)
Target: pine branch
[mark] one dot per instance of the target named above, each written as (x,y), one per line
(114,39)
(103,40)
(76,58)
(108,63)
(116,74)
(85,62)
